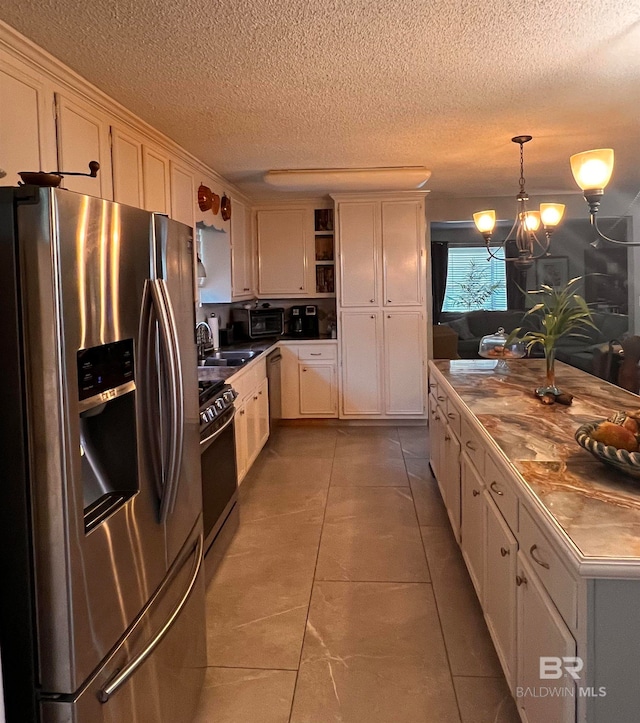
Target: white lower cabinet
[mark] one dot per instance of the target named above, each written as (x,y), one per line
(472,524)
(309,380)
(361,340)
(541,634)
(499,600)
(404,369)
(252,415)
(450,466)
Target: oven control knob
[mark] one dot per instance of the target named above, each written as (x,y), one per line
(211,413)
(220,405)
(229,396)
(203,418)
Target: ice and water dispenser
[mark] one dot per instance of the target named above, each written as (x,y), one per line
(108,448)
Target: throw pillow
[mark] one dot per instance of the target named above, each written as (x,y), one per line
(461,327)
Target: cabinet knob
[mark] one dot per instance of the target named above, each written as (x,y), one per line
(494,487)
(372,301)
(504,552)
(441,399)
(372,316)
(260,392)
(242,412)
(246,288)
(301,288)
(255,399)
(540,562)
(436,416)
(452,415)
(475,493)
(471,446)
(388,316)
(447,438)
(304,369)
(389,301)
(521,580)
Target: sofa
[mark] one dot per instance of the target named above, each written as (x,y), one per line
(579,351)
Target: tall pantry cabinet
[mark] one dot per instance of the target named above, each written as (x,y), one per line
(381,304)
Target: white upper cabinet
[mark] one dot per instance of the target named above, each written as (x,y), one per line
(157,181)
(284,239)
(83,136)
(27,132)
(241,251)
(358,232)
(126,156)
(403,239)
(183,195)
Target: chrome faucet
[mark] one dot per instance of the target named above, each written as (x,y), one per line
(204,339)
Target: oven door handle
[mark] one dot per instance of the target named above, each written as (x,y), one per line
(208,441)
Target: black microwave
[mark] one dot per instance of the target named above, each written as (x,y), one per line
(258,323)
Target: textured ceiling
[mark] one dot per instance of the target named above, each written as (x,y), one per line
(251,85)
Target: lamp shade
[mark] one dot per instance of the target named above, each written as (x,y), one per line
(531,220)
(592,169)
(485,221)
(551,214)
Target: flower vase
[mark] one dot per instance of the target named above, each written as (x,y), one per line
(549,386)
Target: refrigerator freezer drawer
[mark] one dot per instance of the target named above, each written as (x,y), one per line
(163,687)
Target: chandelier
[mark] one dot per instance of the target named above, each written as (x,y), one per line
(523,232)
(592,171)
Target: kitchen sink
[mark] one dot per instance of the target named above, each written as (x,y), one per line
(229,358)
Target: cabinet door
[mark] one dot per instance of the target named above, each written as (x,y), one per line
(214,250)
(358,224)
(499,604)
(361,339)
(472,524)
(183,196)
(262,414)
(450,473)
(318,393)
(27,133)
(541,633)
(242,456)
(289,382)
(241,257)
(436,439)
(252,428)
(402,252)
(404,362)
(157,181)
(126,157)
(83,136)
(283,238)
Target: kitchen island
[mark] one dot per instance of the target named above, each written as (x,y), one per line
(550,535)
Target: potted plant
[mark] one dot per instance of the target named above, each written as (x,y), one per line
(562,313)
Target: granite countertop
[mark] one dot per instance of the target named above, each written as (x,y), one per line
(596,507)
(262,346)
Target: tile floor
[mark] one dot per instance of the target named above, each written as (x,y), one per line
(343,596)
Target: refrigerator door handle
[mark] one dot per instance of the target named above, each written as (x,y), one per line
(175,437)
(123,675)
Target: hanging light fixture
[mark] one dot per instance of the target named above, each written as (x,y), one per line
(592,171)
(527,222)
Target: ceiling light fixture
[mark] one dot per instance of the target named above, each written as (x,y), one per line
(404,178)
(592,171)
(527,222)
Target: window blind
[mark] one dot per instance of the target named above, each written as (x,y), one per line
(470,278)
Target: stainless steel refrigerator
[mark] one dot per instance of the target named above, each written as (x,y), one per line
(102,588)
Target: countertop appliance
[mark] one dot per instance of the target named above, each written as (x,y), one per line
(217,456)
(258,323)
(303,321)
(102,602)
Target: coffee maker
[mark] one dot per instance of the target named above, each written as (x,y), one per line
(303,321)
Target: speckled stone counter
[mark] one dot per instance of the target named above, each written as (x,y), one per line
(596,508)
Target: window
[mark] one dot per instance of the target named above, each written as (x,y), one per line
(473,282)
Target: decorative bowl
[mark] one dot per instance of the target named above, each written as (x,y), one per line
(627,462)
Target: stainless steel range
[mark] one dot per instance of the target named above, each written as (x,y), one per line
(217,455)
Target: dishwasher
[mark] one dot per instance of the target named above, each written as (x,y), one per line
(273,375)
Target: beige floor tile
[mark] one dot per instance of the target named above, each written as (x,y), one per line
(364,552)
(414,441)
(469,646)
(362,473)
(426,495)
(368,446)
(486,700)
(373,653)
(240,695)
(257,600)
(302,442)
(368,431)
(382,506)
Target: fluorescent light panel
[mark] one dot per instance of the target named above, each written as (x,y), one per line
(406,178)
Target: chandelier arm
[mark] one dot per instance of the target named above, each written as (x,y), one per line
(594,223)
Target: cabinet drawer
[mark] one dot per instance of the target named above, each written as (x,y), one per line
(317,351)
(433,387)
(557,580)
(472,445)
(502,493)
(453,417)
